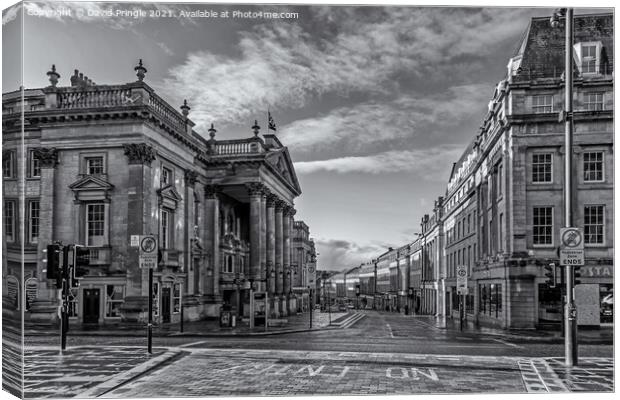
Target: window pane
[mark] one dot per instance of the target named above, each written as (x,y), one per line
(593,166)
(95,224)
(542,166)
(9,221)
(593,219)
(35,165)
(7,164)
(543,225)
(94,165)
(33,221)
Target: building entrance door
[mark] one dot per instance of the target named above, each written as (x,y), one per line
(91,306)
(165,305)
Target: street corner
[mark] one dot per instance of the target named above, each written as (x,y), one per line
(86,371)
(594,374)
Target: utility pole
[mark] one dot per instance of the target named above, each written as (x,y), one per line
(570,314)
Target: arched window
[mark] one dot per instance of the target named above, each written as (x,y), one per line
(31,291)
(12,291)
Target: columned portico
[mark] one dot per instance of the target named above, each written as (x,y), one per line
(271,241)
(212,241)
(255,191)
(278,247)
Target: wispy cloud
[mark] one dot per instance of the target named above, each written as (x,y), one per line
(337,254)
(429,164)
(360,49)
(363,126)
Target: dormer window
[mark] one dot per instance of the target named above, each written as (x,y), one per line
(588,56)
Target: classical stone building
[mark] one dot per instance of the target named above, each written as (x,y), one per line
(303,264)
(100,163)
(503,208)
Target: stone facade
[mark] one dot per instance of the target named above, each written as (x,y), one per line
(502,211)
(106,162)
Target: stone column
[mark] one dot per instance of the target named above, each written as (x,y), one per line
(140,156)
(271,242)
(256,193)
(263,239)
(189,232)
(286,254)
(47,293)
(211,277)
(278,246)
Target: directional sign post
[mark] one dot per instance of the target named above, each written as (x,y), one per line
(148,259)
(148,251)
(461,288)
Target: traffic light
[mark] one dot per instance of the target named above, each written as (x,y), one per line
(357,290)
(82,259)
(54,267)
(551,275)
(576,275)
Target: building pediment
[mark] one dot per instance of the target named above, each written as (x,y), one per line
(280,162)
(169,197)
(91,188)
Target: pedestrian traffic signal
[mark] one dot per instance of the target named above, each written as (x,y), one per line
(576,275)
(357,290)
(550,273)
(53,262)
(82,256)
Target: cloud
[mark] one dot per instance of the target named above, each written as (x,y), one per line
(165,48)
(362,126)
(338,254)
(428,164)
(90,11)
(357,49)
(10,13)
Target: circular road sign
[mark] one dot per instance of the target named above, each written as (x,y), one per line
(148,244)
(462,272)
(571,237)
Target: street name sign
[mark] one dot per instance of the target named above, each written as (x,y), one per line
(571,247)
(461,279)
(148,251)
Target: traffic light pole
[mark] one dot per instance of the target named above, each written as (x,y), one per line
(64,296)
(570,336)
(149,329)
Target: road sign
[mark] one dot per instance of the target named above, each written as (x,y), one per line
(571,246)
(135,241)
(461,276)
(148,251)
(311,275)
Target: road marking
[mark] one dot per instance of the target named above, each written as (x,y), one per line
(193,343)
(508,343)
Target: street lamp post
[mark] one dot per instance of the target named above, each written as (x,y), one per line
(570,313)
(329,302)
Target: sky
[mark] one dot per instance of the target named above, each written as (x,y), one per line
(374,103)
